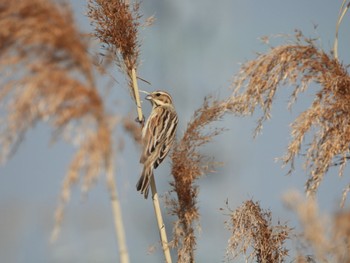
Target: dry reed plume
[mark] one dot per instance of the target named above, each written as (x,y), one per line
(188,164)
(326,238)
(116,25)
(253,235)
(47,76)
(327,119)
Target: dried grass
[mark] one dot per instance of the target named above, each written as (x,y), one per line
(326,238)
(116,25)
(253,235)
(54,23)
(188,164)
(327,119)
(314,230)
(341,233)
(47,76)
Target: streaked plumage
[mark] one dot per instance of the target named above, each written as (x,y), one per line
(157,136)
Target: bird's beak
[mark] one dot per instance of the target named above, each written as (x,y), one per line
(148,97)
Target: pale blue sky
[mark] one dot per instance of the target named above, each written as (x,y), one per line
(193,49)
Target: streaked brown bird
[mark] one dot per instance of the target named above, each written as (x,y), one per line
(157,136)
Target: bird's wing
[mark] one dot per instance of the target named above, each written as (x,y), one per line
(160,128)
(170,130)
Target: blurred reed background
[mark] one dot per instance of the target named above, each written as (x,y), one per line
(192,50)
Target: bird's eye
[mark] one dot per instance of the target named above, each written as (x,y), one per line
(157,94)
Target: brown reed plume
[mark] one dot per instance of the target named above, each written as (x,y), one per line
(37,59)
(299,64)
(116,25)
(254,236)
(326,238)
(47,76)
(19,17)
(188,164)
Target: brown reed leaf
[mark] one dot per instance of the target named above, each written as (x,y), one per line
(327,119)
(253,235)
(188,164)
(47,76)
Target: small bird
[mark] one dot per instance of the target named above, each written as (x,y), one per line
(157,136)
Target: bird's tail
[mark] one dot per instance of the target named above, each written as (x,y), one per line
(143,183)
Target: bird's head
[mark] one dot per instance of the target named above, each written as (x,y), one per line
(159,98)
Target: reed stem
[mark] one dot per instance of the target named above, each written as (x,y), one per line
(117,214)
(155,199)
(137,96)
(161,226)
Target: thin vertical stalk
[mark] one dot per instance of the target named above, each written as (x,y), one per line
(155,199)
(137,96)
(160,222)
(342,12)
(117,214)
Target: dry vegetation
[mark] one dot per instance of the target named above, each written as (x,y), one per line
(116,25)
(47,76)
(253,235)
(327,239)
(188,165)
(301,64)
